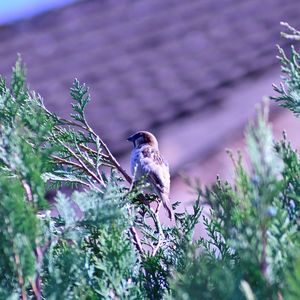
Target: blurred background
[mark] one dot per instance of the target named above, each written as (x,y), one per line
(191,71)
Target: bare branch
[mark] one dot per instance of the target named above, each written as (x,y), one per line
(67,162)
(27,190)
(86,169)
(295,34)
(92,151)
(136,239)
(110,155)
(157,224)
(17,260)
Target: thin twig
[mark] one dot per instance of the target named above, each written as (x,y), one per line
(73,164)
(136,240)
(17,260)
(92,151)
(27,190)
(263,260)
(66,162)
(159,229)
(60,119)
(36,285)
(290,36)
(71,123)
(76,180)
(38,281)
(88,161)
(20,276)
(105,160)
(295,33)
(109,154)
(91,173)
(116,164)
(87,127)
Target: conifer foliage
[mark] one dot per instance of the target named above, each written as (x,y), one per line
(106,242)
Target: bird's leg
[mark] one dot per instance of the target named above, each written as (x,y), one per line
(141,199)
(153,198)
(158,206)
(146,200)
(134,185)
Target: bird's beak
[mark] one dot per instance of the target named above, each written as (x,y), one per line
(131,138)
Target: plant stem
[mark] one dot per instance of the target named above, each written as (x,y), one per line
(110,155)
(263,260)
(91,173)
(136,240)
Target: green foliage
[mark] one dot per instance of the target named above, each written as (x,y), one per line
(252,240)
(104,241)
(253,246)
(292,291)
(207,278)
(18,229)
(289,90)
(291,178)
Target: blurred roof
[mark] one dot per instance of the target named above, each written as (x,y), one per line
(11,11)
(149,63)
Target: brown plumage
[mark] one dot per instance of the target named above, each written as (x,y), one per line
(146,161)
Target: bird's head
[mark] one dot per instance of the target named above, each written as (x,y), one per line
(143,138)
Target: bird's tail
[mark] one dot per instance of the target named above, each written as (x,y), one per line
(167,205)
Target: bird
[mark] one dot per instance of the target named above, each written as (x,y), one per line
(147,162)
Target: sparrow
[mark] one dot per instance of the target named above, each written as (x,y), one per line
(147,162)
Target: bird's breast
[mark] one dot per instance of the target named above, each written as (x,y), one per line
(135,163)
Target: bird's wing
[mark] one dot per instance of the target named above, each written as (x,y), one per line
(156,169)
